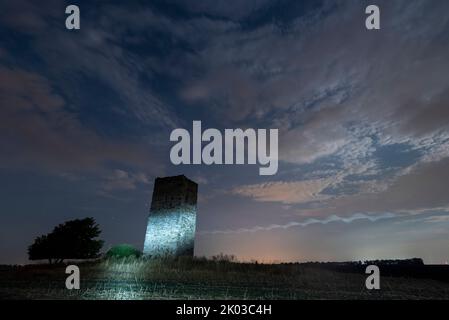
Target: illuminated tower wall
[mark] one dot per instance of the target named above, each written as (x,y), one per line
(172,218)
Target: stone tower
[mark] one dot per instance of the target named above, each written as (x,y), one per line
(172,218)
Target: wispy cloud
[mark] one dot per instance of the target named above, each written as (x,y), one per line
(311,221)
(124,180)
(285,192)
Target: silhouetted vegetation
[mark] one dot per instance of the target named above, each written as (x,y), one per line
(75,239)
(406,268)
(379,263)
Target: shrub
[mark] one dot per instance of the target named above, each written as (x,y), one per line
(123,251)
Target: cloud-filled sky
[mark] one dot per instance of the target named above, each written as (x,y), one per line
(363,119)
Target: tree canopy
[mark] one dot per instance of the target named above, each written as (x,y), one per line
(75,239)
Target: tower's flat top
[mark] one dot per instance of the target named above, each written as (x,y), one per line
(176,178)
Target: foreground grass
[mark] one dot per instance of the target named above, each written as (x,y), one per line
(187,278)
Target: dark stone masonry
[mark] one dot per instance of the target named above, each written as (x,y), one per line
(172,218)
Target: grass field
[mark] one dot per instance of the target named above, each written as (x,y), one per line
(220,278)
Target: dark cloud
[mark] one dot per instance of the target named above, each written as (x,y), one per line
(30,17)
(329,73)
(37,130)
(423,188)
(223,8)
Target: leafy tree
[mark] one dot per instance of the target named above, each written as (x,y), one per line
(75,239)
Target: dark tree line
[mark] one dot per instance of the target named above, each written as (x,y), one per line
(75,239)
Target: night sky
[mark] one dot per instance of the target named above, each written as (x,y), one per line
(363,119)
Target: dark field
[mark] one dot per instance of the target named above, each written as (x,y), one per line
(186,278)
